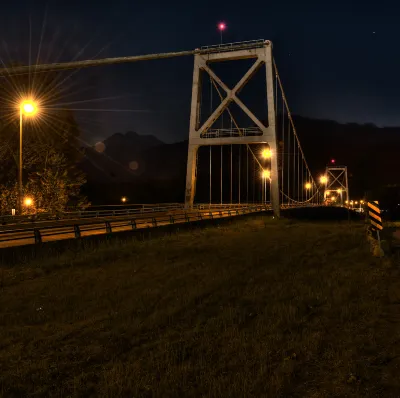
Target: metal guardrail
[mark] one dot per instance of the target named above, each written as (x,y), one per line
(112,212)
(138,209)
(250,44)
(120,212)
(78,230)
(233,132)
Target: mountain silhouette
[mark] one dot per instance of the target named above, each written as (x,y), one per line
(151,171)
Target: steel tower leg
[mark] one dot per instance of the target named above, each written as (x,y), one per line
(191,176)
(191,173)
(273,143)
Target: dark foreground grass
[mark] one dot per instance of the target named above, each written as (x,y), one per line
(258,308)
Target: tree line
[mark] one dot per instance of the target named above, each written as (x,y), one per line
(50,173)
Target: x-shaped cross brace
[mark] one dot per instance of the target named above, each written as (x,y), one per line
(335,179)
(231,96)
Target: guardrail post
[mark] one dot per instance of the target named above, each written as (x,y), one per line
(154,221)
(133,223)
(187,217)
(108,227)
(211,215)
(171,219)
(229,213)
(220,213)
(200,216)
(38,236)
(77,231)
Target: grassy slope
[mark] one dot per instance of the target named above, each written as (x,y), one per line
(254,309)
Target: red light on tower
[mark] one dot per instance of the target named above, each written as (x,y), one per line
(333,161)
(222,26)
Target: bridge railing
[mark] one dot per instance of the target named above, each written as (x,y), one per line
(233,46)
(120,212)
(111,212)
(81,228)
(74,214)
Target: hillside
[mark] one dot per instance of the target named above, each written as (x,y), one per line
(257,308)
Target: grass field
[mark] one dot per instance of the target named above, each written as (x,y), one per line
(259,308)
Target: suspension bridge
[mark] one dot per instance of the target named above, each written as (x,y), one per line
(250,162)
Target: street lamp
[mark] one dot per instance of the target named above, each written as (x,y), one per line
(27,108)
(266,174)
(266,153)
(28,202)
(324,179)
(308,185)
(123,199)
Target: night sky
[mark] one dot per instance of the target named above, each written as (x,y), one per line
(338,59)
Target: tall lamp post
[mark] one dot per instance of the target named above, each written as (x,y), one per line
(27,108)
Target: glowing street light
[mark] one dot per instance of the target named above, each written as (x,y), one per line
(28,202)
(339,191)
(27,108)
(324,179)
(266,174)
(123,199)
(308,185)
(266,153)
(346,202)
(333,199)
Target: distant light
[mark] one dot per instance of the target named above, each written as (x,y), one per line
(333,198)
(324,179)
(100,147)
(123,199)
(356,203)
(346,202)
(361,201)
(222,26)
(134,165)
(339,191)
(308,185)
(333,161)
